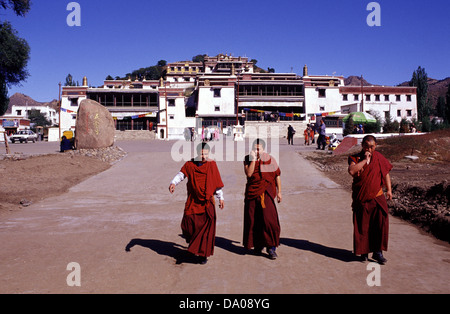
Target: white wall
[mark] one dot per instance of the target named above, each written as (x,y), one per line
(207,102)
(331,102)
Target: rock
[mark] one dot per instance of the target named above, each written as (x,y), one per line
(25,203)
(94,126)
(412,157)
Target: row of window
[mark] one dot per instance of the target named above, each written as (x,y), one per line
(369,97)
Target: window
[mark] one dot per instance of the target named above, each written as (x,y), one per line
(216,92)
(74,101)
(322,108)
(399,113)
(368,97)
(171,102)
(356,97)
(344,97)
(322,93)
(386,97)
(377,97)
(171,116)
(19,112)
(409,112)
(397,97)
(408,97)
(216,108)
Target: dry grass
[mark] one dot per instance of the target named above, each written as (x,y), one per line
(434,146)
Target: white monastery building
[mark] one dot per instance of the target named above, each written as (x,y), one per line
(224,90)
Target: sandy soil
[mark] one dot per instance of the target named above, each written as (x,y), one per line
(34,178)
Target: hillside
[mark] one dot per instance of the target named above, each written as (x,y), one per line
(353,80)
(19,99)
(436,88)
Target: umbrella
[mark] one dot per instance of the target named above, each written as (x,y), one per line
(360,117)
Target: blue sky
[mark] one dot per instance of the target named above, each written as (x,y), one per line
(331,37)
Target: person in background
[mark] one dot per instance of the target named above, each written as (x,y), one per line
(321,141)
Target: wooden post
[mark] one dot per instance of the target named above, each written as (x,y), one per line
(6,144)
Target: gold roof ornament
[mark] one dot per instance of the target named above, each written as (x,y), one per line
(85,81)
(305,70)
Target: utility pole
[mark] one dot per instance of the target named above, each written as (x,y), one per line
(59,105)
(362,95)
(237,101)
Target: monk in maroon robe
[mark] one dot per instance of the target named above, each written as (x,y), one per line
(370,171)
(261,223)
(199,219)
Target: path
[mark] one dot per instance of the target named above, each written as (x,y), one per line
(94,222)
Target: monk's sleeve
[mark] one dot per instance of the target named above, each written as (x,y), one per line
(385,167)
(184,170)
(217,178)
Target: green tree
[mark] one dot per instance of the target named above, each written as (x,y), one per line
(38,118)
(440,107)
(14,52)
(20,7)
(199,58)
(420,80)
(390,125)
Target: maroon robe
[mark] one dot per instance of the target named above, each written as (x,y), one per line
(370,210)
(261,222)
(199,219)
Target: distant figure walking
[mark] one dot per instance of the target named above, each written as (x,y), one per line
(290,135)
(321,141)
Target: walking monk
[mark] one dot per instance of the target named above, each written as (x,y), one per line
(370,171)
(199,220)
(261,223)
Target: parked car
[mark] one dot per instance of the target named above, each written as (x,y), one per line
(24,136)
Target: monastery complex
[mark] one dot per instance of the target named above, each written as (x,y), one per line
(223,91)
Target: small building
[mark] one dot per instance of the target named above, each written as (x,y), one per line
(132,104)
(398,102)
(13,124)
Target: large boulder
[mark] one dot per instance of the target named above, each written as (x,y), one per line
(94,126)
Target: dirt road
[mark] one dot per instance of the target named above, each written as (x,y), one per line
(129,206)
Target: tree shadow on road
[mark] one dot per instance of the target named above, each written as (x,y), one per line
(336,253)
(171,249)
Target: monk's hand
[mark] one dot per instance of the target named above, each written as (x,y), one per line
(171,188)
(389,195)
(279,197)
(368,156)
(252,155)
(221,204)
